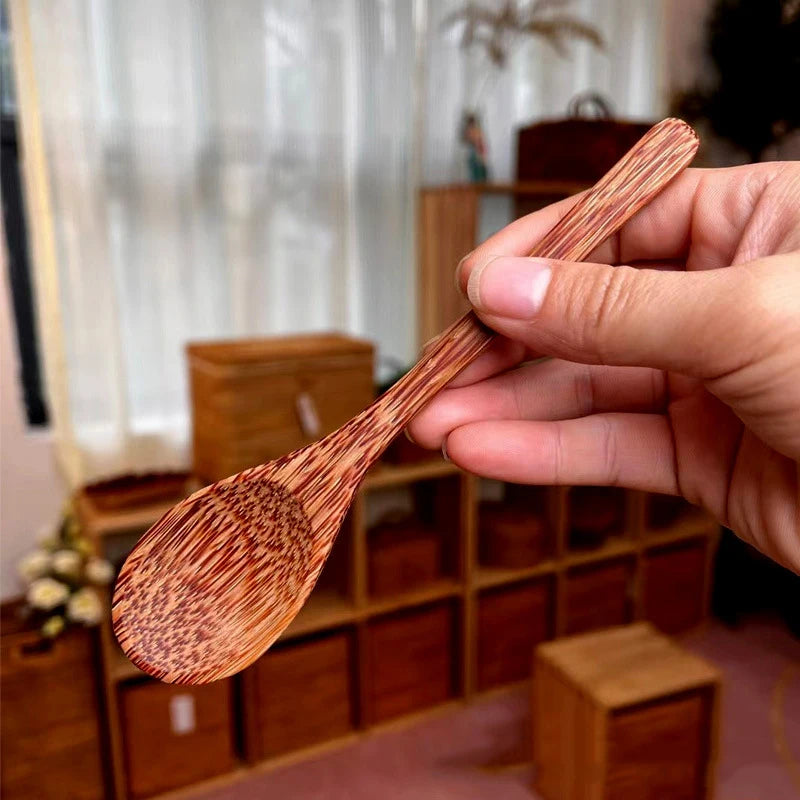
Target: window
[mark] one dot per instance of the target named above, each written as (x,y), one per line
(20,280)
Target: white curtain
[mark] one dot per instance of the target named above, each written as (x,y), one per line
(249,167)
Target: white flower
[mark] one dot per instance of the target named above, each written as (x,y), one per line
(84,606)
(34,565)
(52,627)
(67,563)
(46,593)
(100,571)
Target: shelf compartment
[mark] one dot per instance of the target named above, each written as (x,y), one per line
(438,590)
(594,513)
(486,577)
(384,475)
(611,548)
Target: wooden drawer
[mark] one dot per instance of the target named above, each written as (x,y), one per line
(511,622)
(248,396)
(597,596)
(674,586)
(298,694)
(175,735)
(403,555)
(411,657)
(50,731)
(659,749)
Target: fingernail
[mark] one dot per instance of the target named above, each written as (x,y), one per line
(444,451)
(509,286)
(408,436)
(457,276)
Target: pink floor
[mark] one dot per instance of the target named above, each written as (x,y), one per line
(479,750)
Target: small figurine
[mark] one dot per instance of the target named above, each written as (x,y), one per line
(472,137)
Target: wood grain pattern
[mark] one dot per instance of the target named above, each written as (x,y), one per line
(219,577)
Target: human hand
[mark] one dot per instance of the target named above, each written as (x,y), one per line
(680,378)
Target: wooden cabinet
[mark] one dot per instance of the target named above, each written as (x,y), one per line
(623,714)
(512,620)
(256,400)
(412,661)
(299,694)
(175,735)
(50,729)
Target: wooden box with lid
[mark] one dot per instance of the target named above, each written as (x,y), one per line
(255,400)
(623,714)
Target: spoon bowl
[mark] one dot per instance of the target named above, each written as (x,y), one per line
(218,578)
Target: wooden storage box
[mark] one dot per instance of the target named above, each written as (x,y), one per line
(623,714)
(50,730)
(664,510)
(574,149)
(258,399)
(674,591)
(411,658)
(298,694)
(512,620)
(512,536)
(175,735)
(403,554)
(595,513)
(598,596)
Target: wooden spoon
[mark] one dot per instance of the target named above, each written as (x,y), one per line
(217,579)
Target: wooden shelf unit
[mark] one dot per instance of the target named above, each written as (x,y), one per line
(341,600)
(448,228)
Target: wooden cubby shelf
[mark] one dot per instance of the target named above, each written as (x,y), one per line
(470,630)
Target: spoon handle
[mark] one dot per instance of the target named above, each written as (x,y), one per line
(663,152)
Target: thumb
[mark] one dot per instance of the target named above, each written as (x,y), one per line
(703,323)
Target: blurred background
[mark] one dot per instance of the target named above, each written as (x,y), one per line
(184,173)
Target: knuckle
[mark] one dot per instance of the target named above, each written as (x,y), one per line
(609,297)
(609,450)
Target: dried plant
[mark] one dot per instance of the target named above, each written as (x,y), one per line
(497,30)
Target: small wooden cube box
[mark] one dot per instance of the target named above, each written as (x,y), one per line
(298,694)
(598,596)
(255,400)
(623,714)
(412,661)
(674,585)
(175,735)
